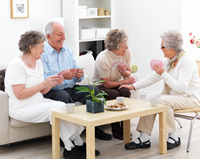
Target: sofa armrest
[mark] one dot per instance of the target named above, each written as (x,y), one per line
(4,117)
(135,94)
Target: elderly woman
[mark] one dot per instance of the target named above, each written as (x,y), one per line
(181,89)
(25,85)
(113,65)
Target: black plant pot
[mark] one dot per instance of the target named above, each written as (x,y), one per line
(94,107)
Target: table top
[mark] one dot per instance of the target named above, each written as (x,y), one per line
(136,108)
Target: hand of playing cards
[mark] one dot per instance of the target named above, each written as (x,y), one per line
(115,64)
(154,61)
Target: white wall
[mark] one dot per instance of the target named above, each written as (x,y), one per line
(11,29)
(190,23)
(144,21)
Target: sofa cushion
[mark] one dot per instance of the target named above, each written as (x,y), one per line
(3,65)
(16,123)
(87,62)
(134,68)
(2,76)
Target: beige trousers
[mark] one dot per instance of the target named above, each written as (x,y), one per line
(173,102)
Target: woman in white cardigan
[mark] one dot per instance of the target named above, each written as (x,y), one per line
(181,89)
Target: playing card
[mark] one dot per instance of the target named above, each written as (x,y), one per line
(155,61)
(115,64)
(61,73)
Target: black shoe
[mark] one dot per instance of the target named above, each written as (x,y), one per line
(133,145)
(172,145)
(118,135)
(62,143)
(75,153)
(83,149)
(100,134)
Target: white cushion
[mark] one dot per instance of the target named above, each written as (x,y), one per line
(3,65)
(87,62)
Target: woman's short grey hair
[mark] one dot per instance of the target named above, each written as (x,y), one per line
(49,28)
(172,39)
(114,38)
(30,38)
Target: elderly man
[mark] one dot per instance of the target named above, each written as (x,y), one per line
(59,59)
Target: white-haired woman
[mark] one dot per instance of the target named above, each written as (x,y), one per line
(181,89)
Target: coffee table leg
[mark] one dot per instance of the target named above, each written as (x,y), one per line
(90,142)
(126,124)
(163,132)
(55,138)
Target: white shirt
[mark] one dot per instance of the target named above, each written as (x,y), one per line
(18,73)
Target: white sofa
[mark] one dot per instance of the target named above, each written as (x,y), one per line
(12,130)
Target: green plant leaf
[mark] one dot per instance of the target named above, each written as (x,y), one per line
(100,81)
(83,89)
(91,91)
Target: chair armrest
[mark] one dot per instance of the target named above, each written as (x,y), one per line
(135,94)
(136,76)
(4,117)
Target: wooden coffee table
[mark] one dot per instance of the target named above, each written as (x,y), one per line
(136,108)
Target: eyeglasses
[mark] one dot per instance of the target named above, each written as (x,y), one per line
(162,47)
(125,44)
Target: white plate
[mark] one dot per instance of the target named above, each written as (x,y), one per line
(116,108)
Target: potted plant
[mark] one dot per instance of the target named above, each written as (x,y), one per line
(96,104)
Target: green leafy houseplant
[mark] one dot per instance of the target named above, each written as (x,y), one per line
(98,98)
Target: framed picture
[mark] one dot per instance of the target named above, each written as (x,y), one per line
(19,9)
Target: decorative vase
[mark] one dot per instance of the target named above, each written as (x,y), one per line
(94,107)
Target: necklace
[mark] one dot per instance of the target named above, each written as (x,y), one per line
(27,63)
(30,66)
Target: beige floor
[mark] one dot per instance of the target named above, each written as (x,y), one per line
(113,149)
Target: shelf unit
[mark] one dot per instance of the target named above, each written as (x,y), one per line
(72,23)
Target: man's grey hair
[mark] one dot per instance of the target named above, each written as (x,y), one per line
(49,28)
(172,39)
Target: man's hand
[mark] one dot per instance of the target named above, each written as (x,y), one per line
(69,73)
(79,73)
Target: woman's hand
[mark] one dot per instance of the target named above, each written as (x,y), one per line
(130,87)
(159,70)
(121,68)
(51,81)
(60,80)
(130,80)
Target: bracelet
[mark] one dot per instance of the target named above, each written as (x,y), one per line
(119,83)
